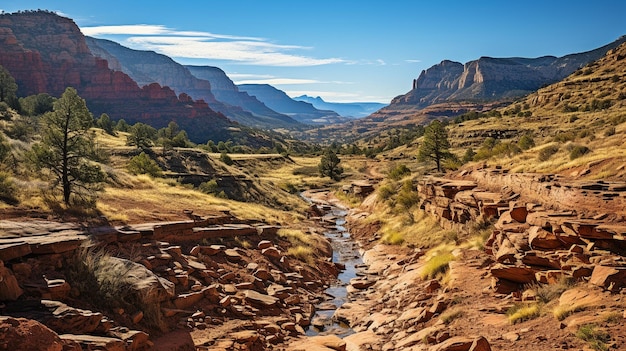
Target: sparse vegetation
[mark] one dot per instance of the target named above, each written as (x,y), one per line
(451,314)
(329,165)
(594,336)
(437,265)
(522,312)
(547,152)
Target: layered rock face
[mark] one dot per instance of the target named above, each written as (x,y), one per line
(493,79)
(546,228)
(46,53)
(226,91)
(147,67)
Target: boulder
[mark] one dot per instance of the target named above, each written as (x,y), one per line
(90,342)
(26,334)
(460,343)
(517,274)
(539,238)
(9,288)
(611,278)
(260,299)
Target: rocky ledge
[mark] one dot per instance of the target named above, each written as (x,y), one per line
(212,282)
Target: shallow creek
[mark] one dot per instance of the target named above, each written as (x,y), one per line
(345,252)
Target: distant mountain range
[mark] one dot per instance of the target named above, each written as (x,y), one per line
(146,67)
(344,109)
(279,101)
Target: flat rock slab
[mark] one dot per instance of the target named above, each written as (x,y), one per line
(90,342)
(14,250)
(15,229)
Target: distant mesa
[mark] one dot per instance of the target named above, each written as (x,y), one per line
(494,79)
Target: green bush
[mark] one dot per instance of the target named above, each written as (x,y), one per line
(595,337)
(8,190)
(226,159)
(547,152)
(399,172)
(578,150)
(407,197)
(386,191)
(526,142)
(143,164)
(210,187)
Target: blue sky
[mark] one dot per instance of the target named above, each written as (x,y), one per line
(343,51)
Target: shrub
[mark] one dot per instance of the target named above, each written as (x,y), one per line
(393,238)
(437,265)
(386,191)
(577,151)
(407,197)
(143,164)
(399,172)
(226,159)
(609,131)
(468,155)
(547,152)
(526,142)
(209,187)
(596,338)
(449,315)
(8,190)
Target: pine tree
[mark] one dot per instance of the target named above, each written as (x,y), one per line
(329,165)
(435,144)
(67,148)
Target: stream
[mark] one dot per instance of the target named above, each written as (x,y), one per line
(345,252)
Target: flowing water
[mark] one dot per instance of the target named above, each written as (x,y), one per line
(345,252)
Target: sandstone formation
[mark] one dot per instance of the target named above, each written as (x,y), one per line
(147,67)
(46,53)
(546,228)
(494,78)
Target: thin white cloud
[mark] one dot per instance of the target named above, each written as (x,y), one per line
(279,81)
(381,62)
(249,76)
(205,45)
(413,61)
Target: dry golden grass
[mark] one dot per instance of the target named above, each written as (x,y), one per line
(158,199)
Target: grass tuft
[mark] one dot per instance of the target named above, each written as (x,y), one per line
(437,265)
(523,312)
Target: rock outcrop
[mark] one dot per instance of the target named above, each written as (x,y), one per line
(493,79)
(190,275)
(546,228)
(46,53)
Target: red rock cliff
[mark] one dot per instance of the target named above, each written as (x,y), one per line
(46,53)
